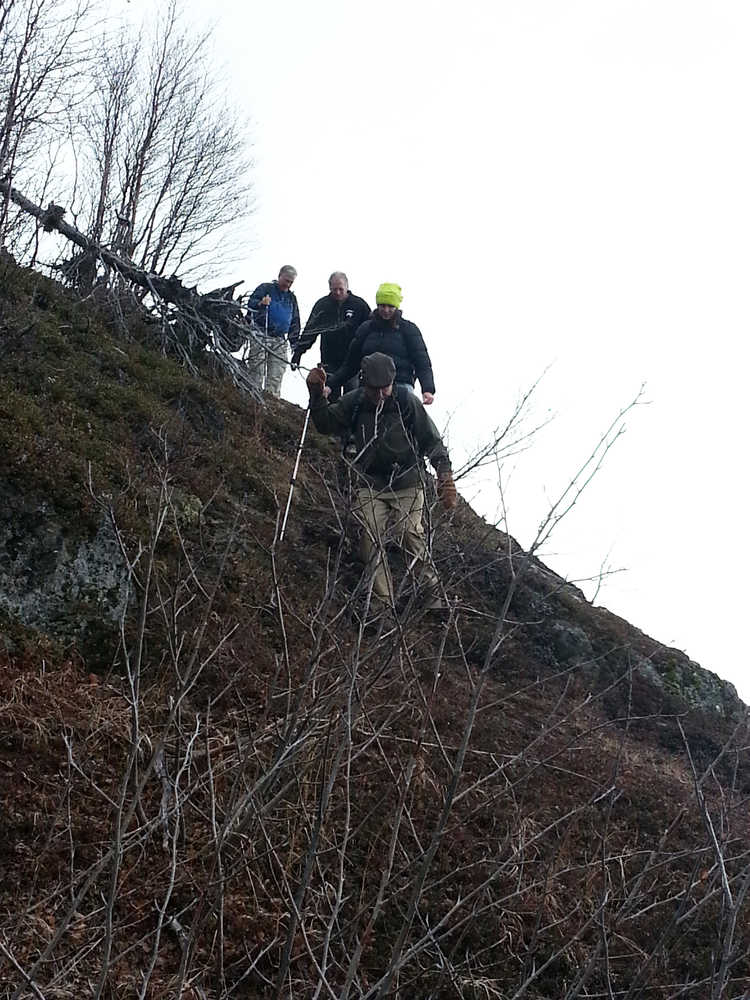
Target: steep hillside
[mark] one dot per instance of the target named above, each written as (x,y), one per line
(217,782)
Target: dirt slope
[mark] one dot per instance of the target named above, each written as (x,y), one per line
(216,783)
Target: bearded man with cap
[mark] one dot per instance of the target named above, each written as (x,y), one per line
(387,332)
(392,434)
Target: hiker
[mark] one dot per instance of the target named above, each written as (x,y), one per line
(392,433)
(274,320)
(387,332)
(336,317)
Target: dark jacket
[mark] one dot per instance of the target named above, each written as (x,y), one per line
(282,315)
(389,451)
(400,339)
(336,322)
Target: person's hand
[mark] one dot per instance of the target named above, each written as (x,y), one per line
(294,363)
(316,381)
(326,391)
(446,489)
(266,300)
(427,398)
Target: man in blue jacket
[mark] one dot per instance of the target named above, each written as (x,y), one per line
(274,321)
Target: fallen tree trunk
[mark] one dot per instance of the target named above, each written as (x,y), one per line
(170,289)
(211,322)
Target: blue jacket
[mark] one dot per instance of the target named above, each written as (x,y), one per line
(282,315)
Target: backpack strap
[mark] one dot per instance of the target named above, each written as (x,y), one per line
(357,407)
(402,394)
(402,401)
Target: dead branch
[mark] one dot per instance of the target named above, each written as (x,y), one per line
(211,322)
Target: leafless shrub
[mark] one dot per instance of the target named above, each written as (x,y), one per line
(333,812)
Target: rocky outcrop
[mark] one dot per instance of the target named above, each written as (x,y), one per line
(55,575)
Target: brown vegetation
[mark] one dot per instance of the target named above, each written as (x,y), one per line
(241,791)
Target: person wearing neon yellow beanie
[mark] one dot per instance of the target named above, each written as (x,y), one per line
(387,332)
(389,294)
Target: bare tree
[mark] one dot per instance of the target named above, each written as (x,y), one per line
(166,156)
(44,54)
(103,122)
(150,157)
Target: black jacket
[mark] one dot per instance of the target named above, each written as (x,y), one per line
(336,322)
(390,445)
(401,340)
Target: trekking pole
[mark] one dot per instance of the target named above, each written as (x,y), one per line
(265,353)
(293,480)
(246,343)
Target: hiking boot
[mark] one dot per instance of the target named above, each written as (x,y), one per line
(379,615)
(381,626)
(435,602)
(436,609)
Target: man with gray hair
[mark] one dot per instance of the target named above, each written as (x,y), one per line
(336,317)
(274,319)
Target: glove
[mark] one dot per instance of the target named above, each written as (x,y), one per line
(294,363)
(316,380)
(446,489)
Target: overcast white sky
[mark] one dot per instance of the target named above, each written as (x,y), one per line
(559,184)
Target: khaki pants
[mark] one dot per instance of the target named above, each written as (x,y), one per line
(393,515)
(267,359)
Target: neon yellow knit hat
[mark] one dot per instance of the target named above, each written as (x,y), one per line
(388,294)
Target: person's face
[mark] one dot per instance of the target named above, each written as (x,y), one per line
(339,289)
(386,312)
(286,281)
(378,394)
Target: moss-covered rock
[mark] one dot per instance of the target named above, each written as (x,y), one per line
(51,564)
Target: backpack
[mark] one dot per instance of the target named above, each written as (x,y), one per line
(349,444)
(402,393)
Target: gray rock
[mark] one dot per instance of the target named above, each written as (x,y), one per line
(570,643)
(53,579)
